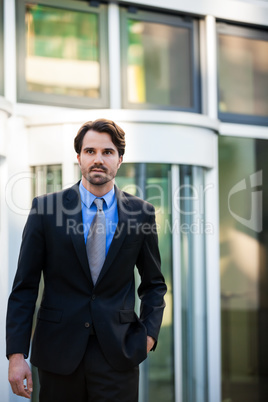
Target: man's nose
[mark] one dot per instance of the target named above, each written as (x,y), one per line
(98,158)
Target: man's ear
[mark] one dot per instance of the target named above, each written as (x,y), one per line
(120,161)
(78,159)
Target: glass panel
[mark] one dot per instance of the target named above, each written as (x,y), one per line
(46,179)
(243,172)
(156,72)
(62,51)
(193,228)
(243,75)
(152,182)
(161,365)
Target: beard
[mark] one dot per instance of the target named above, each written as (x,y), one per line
(98,178)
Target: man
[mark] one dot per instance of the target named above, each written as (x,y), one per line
(86,240)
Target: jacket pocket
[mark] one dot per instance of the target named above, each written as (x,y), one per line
(48,314)
(127,316)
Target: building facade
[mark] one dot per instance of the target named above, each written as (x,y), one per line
(188,82)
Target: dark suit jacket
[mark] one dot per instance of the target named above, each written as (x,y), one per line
(53,243)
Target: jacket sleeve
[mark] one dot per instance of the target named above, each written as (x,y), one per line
(21,303)
(152,288)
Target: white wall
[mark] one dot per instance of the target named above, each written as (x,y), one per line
(151,136)
(4,274)
(14,205)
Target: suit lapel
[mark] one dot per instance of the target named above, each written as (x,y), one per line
(120,232)
(73,213)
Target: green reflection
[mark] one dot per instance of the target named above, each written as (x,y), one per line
(244,274)
(156,73)
(152,182)
(193,285)
(46,179)
(62,48)
(243,73)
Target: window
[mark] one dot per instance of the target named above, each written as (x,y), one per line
(243,74)
(160,61)
(46,179)
(1,49)
(243,194)
(62,53)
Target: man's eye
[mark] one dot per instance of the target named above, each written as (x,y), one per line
(89,151)
(108,152)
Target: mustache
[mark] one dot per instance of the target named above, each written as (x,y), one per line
(104,169)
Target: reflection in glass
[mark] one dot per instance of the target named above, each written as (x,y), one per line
(46,179)
(243,171)
(243,75)
(152,182)
(193,228)
(159,64)
(62,51)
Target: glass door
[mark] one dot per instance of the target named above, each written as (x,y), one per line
(152,182)
(177,371)
(243,182)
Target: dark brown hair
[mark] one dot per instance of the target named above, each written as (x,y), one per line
(101,126)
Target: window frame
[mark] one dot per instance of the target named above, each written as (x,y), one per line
(25,96)
(166,19)
(1,47)
(224,28)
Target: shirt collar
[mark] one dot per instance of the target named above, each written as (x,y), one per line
(87,197)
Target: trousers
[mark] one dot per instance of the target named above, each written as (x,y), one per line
(93,381)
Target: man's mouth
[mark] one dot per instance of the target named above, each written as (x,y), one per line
(97,170)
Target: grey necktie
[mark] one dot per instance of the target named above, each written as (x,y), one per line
(96,241)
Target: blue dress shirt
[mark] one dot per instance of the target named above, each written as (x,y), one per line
(89,210)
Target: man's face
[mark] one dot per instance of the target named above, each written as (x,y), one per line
(99,159)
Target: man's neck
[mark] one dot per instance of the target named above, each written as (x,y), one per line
(98,191)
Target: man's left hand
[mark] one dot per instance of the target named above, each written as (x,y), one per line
(150,343)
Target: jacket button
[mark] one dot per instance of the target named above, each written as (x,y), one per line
(87,325)
(93,297)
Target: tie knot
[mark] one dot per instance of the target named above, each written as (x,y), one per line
(99,203)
